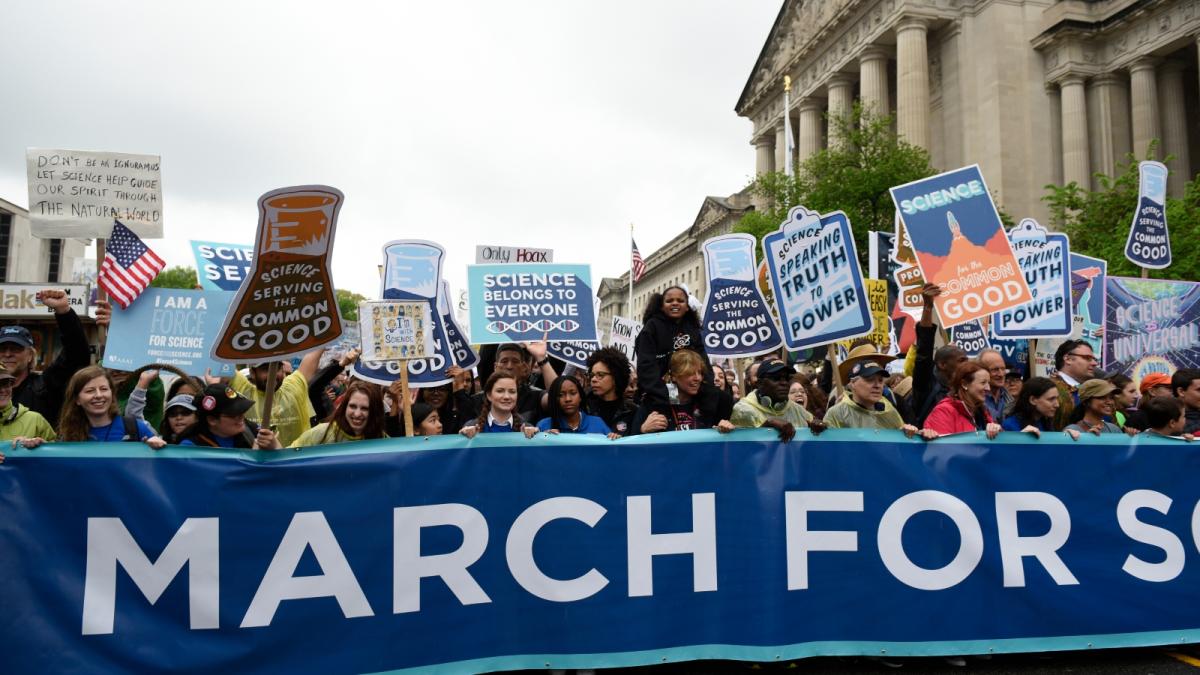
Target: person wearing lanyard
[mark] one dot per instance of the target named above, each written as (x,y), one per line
(90,412)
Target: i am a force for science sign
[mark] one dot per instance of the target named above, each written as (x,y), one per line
(574,551)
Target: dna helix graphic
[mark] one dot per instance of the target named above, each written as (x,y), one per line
(525,326)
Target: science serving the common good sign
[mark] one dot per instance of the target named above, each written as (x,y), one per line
(736,319)
(448,555)
(1152,326)
(815,279)
(960,245)
(521,303)
(1044,257)
(1149,244)
(169,326)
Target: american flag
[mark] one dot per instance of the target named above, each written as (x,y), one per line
(638,266)
(129,266)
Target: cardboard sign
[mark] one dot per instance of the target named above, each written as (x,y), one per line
(1152,326)
(1044,258)
(395,330)
(1149,244)
(1089,282)
(960,245)
(412,270)
(286,307)
(487,255)
(523,303)
(222,267)
(736,319)
(623,335)
(78,194)
(170,326)
(815,279)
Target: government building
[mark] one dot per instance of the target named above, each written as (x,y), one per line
(1036,92)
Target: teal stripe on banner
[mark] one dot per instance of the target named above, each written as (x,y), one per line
(808,650)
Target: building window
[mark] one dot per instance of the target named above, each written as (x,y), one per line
(53,269)
(5,235)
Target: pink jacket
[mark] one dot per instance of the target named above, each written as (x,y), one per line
(950,416)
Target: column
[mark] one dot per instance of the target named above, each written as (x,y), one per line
(810,128)
(764,147)
(1143,104)
(1076,162)
(872,68)
(912,82)
(1103,131)
(840,97)
(1056,147)
(781,160)
(1174,126)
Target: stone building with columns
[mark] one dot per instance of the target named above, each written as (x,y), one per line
(1034,91)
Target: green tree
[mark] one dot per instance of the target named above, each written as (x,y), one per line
(348,303)
(853,176)
(179,276)
(1098,222)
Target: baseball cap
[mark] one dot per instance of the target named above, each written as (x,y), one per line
(218,399)
(5,374)
(773,367)
(1153,380)
(866,369)
(181,401)
(1095,389)
(16,334)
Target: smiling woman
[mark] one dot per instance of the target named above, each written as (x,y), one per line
(90,413)
(358,415)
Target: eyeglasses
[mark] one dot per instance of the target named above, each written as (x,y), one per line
(998,369)
(597,376)
(1085,357)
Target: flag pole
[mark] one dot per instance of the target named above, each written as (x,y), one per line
(101,331)
(630,317)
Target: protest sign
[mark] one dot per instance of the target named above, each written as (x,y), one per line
(1014,351)
(1088,306)
(573,352)
(960,245)
(881,323)
(395,330)
(412,270)
(1149,244)
(222,267)
(78,194)
(1043,258)
(971,336)
(623,335)
(20,300)
(736,319)
(169,326)
(286,306)
(880,263)
(460,347)
(485,255)
(523,303)
(337,349)
(1152,326)
(815,279)
(449,555)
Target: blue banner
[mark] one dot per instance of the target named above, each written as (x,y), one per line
(524,303)
(412,270)
(1043,257)
(578,552)
(815,279)
(1149,244)
(1153,326)
(170,326)
(736,319)
(222,267)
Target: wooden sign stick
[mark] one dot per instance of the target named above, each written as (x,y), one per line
(405,401)
(269,399)
(837,374)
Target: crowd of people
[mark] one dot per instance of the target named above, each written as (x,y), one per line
(516,388)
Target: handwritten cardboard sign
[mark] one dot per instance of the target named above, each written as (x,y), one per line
(395,330)
(623,336)
(488,255)
(76,193)
(960,245)
(286,306)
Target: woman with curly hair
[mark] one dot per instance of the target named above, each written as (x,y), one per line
(358,415)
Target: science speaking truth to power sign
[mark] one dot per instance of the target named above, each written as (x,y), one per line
(574,551)
(517,303)
(960,245)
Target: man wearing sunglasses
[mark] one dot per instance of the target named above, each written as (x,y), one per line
(1076,363)
(768,405)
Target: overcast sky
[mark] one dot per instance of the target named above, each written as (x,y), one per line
(552,124)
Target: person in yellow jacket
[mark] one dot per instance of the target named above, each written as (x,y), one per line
(768,405)
(291,410)
(18,424)
(358,415)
